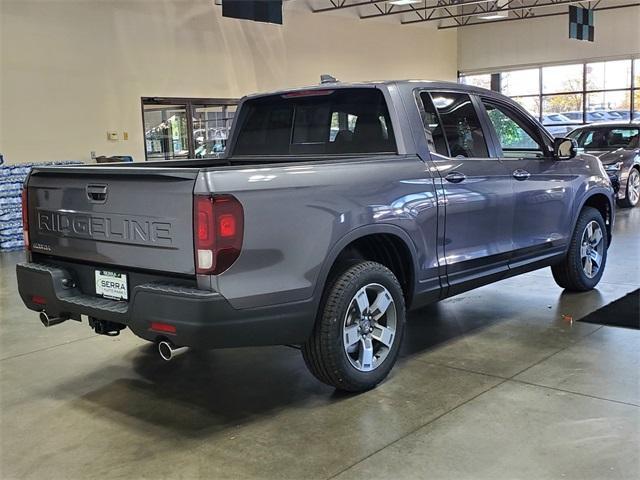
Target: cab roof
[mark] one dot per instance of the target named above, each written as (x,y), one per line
(430,84)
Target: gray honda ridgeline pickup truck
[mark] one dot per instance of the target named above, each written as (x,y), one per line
(335,209)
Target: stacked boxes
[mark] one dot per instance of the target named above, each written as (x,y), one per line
(11,179)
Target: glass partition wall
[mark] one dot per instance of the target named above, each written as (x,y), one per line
(176,128)
(564,96)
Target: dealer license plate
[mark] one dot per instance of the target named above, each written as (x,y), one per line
(111,285)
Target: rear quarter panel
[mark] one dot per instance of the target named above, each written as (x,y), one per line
(297,213)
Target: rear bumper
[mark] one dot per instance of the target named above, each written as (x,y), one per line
(203,319)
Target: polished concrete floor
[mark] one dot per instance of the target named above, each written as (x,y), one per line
(498,383)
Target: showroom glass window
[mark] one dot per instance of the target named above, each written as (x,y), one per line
(636,92)
(482,80)
(523,86)
(609,97)
(564,96)
(177,128)
(339,121)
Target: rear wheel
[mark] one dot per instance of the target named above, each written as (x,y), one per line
(584,264)
(359,328)
(632,192)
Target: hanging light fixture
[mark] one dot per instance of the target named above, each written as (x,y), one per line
(494,14)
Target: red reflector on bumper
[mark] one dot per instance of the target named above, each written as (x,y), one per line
(40,300)
(163,327)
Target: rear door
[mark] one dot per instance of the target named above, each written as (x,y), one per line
(130,217)
(476,188)
(542,185)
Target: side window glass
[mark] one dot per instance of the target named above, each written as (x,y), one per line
(460,124)
(432,127)
(351,122)
(623,138)
(587,139)
(342,126)
(334,128)
(514,139)
(383,125)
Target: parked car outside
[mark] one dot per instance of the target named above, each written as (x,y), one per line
(617,145)
(574,116)
(554,119)
(616,116)
(596,116)
(558,124)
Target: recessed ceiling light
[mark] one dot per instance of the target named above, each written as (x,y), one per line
(495,14)
(403,2)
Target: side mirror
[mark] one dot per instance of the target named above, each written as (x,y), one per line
(564,148)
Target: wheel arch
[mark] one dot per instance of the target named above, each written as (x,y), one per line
(387,244)
(599,199)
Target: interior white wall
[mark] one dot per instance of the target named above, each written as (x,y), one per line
(71,70)
(546,40)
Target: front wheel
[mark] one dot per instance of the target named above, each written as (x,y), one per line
(582,268)
(632,192)
(359,328)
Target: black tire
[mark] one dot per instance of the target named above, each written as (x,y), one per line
(570,273)
(628,201)
(324,352)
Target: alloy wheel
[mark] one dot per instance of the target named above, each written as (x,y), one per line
(592,249)
(369,327)
(633,187)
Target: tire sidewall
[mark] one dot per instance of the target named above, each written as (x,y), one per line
(628,203)
(384,277)
(587,217)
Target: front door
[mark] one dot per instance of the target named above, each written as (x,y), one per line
(476,189)
(542,185)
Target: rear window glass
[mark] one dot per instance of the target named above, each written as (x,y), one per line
(341,121)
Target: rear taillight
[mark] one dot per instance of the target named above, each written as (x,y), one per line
(162,327)
(218,223)
(25,219)
(39,300)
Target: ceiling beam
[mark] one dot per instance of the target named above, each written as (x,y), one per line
(475,12)
(343,5)
(425,8)
(548,3)
(533,17)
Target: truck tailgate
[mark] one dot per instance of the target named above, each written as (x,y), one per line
(130,217)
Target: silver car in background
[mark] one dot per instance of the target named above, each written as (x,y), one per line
(617,145)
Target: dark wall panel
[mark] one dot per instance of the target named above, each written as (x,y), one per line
(269,11)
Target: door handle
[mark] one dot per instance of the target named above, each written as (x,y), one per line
(455,177)
(520,174)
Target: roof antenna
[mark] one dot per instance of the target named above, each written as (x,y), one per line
(326,78)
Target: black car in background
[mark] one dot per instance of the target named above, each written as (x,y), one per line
(617,145)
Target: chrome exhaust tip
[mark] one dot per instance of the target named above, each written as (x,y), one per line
(167,351)
(48,321)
